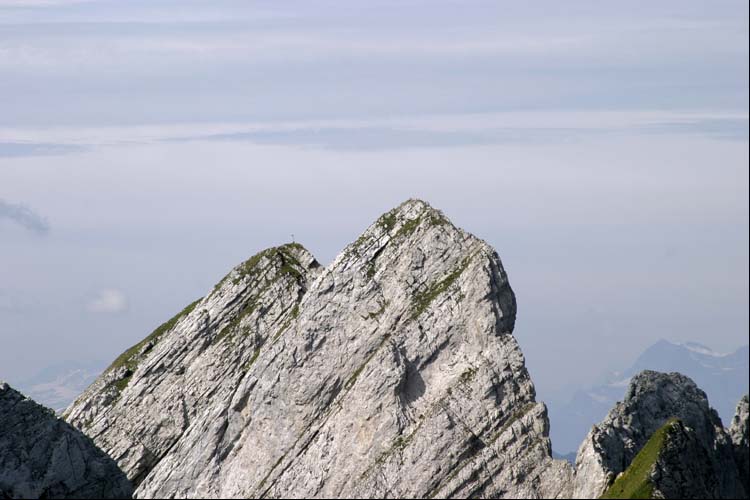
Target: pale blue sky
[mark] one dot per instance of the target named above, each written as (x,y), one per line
(150,146)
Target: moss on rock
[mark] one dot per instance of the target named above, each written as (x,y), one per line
(635,482)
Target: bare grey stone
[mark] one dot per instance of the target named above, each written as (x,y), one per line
(393,372)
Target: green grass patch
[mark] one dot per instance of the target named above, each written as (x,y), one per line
(371,270)
(388,220)
(293,315)
(437,219)
(408,227)
(468,375)
(353,378)
(128,358)
(248,308)
(399,445)
(121,384)
(635,482)
(251,268)
(281,330)
(289,266)
(422,300)
(252,360)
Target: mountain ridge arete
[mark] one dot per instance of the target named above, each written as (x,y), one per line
(392,372)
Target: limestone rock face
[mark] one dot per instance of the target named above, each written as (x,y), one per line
(653,399)
(738,432)
(393,372)
(41,456)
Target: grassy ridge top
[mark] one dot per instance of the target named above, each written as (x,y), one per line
(635,482)
(129,357)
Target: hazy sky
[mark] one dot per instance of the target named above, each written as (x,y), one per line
(146,147)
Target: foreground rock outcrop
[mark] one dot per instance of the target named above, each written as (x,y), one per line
(738,432)
(43,457)
(672,464)
(391,373)
(666,441)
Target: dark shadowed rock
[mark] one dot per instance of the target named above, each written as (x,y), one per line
(685,468)
(738,432)
(42,456)
(652,400)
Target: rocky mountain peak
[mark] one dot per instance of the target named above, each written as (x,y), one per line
(392,372)
(652,400)
(429,255)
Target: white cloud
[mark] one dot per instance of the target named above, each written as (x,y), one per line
(108,301)
(526,122)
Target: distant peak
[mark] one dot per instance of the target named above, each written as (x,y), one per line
(701,349)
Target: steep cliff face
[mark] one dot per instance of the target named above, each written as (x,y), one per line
(694,454)
(43,457)
(393,372)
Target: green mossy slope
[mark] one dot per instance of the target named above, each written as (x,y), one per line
(635,482)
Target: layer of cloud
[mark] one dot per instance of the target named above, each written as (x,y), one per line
(732,129)
(24,216)
(397,133)
(14,149)
(143,62)
(108,301)
(386,138)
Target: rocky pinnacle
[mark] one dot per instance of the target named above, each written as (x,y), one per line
(697,445)
(391,372)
